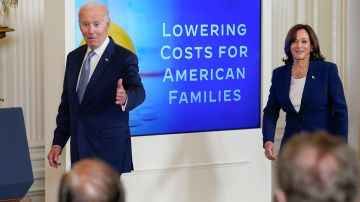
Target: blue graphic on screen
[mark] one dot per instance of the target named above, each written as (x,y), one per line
(199,62)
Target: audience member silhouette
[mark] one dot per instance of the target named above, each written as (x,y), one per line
(91,180)
(317,167)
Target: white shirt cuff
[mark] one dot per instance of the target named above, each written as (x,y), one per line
(123,107)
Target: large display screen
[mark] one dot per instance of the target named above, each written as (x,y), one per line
(199,61)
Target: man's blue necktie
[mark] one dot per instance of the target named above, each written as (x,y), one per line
(84,76)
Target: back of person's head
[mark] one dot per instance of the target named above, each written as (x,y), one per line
(91,180)
(317,167)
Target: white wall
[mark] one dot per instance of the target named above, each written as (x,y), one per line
(53,70)
(218,166)
(353,70)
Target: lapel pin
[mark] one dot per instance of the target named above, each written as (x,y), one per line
(107,60)
(313,77)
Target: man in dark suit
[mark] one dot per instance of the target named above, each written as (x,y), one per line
(101,86)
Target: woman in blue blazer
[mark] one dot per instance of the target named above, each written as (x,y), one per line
(307,88)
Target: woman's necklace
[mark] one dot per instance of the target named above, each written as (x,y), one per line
(298,72)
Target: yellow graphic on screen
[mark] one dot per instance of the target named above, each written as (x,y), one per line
(120,37)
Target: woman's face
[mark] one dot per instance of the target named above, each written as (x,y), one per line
(301,46)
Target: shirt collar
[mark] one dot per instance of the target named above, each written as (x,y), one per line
(99,51)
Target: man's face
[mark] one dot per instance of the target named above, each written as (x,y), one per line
(94,26)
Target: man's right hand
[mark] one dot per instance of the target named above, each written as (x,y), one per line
(270,150)
(53,156)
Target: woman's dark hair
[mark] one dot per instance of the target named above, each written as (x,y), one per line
(315,53)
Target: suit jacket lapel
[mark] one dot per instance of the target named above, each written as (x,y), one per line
(74,77)
(312,79)
(285,89)
(104,62)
